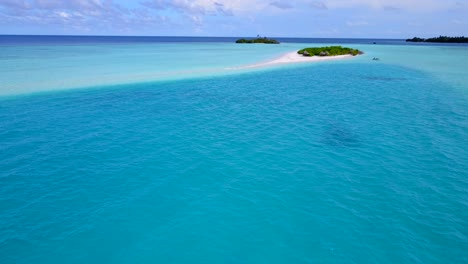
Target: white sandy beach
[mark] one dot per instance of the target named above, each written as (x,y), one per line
(294,57)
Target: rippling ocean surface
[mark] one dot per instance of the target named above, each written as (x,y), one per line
(169,151)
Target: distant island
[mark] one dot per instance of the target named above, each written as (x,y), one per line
(441,39)
(329,51)
(258,40)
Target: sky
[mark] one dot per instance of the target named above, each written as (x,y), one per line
(237,18)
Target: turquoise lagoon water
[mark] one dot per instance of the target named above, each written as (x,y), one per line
(190,161)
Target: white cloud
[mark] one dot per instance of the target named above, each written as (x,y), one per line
(408,5)
(116,15)
(318,5)
(257,5)
(204,7)
(76,14)
(63,14)
(281,5)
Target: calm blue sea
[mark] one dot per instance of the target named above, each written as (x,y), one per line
(154,150)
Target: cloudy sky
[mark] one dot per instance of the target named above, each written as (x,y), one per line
(293,18)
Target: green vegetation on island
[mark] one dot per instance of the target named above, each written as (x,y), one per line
(257,40)
(440,39)
(329,51)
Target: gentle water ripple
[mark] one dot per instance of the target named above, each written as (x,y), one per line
(313,167)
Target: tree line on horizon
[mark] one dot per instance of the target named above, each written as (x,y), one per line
(440,39)
(259,39)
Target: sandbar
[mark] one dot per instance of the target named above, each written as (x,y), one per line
(294,57)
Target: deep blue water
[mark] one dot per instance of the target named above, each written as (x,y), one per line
(61,40)
(29,40)
(342,163)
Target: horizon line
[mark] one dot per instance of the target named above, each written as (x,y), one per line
(179,36)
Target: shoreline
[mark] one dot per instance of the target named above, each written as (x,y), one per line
(135,78)
(292,57)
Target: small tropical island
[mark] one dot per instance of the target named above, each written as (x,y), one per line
(329,51)
(308,55)
(440,39)
(258,40)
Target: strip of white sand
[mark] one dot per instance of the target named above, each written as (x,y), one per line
(294,57)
